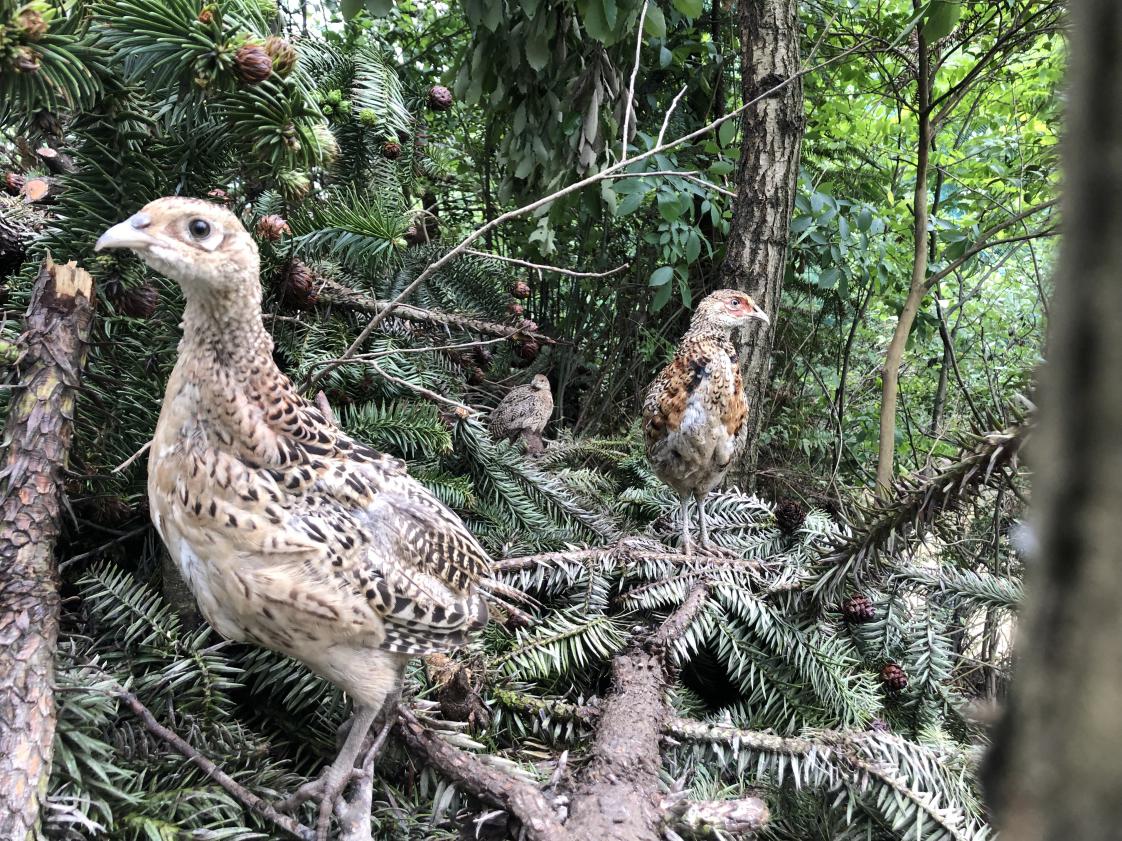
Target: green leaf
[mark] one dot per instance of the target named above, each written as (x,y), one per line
(693,246)
(911,24)
(689,8)
(829,278)
(864,219)
(664,57)
(669,207)
(684,289)
(661,276)
(941,18)
(611,12)
(720,167)
(537,50)
(655,22)
(661,297)
(379,8)
(727,132)
(592,16)
(630,204)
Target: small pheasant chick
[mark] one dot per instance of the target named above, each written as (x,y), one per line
(695,413)
(524,413)
(290,534)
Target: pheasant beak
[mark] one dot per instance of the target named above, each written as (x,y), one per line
(760,314)
(128,234)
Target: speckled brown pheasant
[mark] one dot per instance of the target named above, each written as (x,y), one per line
(524,413)
(291,534)
(695,411)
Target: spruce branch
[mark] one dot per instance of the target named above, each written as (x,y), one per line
(880,530)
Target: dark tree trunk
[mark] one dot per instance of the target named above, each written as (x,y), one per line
(39,429)
(756,256)
(1055,771)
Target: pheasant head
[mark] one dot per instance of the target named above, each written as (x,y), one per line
(207,250)
(723,311)
(202,246)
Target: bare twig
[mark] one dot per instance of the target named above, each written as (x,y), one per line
(243,795)
(669,113)
(463,408)
(688,176)
(540,267)
(124,465)
(627,106)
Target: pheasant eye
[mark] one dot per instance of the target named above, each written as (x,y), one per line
(199,228)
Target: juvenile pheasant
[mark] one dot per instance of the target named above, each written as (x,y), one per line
(291,534)
(694,416)
(524,412)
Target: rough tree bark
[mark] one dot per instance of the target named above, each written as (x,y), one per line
(756,254)
(1056,768)
(39,430)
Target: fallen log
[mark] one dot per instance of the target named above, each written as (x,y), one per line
(39,431)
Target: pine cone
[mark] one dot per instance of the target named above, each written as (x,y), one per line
(207,14)
(475,376)
(515,308)
(138,302)
(13,182)
(528,350)
(789,516)
(272,227)
(31,24)
(440,98)
(298,288)
(858,609)
(283,55)
(27,60)
(368,117)
(252,64)
(521,289)
(415,234)
(894,677)
(528,326)
(483,357)
(391,150)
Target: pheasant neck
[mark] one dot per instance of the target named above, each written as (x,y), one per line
(226,331)
(709,332)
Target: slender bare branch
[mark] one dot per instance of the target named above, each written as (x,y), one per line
(627,106)
(543,268)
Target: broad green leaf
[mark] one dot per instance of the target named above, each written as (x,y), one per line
(661,297)
(537,50)
(655,22)
(661,276)
(669,207)
(689,8)
(592,16)
(684,289)
(727,132)
(611,12)
(941,18)
(720,167)
(664,57)
(864,219)
(630,204)
(829,278)
(693,246)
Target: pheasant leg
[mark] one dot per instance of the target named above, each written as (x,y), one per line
(686,546)
(703,528)
(342,771)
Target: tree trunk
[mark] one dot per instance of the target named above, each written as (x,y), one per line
(39,430)
(1055,771)
(756,255)
(894,356)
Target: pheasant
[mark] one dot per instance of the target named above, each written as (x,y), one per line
(291,534)
(695,413)
(524,412)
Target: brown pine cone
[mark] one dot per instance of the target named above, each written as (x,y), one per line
(515,308)
(521,289)
(528,350)
(475,376)
(138,302)
(252,64)
(440,98)
(894,677)
(858,609)
(789,516)
(272,227)
(298,287)
(282,53)
(391,150)
(483,357)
